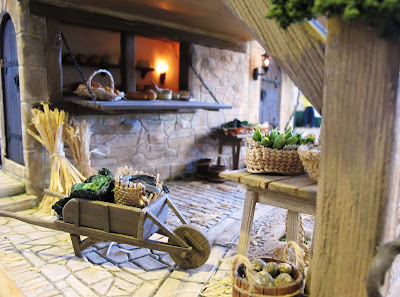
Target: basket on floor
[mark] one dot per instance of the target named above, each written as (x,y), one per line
(247,287)
(309,155)
(260,159)
(100,93)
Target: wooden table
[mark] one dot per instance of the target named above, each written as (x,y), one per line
(297,194)
(235,141)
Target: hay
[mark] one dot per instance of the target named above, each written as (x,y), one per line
(78,139)
(51,134)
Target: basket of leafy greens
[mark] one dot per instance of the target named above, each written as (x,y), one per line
(275,152)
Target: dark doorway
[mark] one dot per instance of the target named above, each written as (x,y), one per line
(11,96)
(271,95)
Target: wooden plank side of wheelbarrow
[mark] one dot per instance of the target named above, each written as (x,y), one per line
(109,217)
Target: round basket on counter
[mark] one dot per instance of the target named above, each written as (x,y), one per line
(309,155)
(101,93)
(260,159)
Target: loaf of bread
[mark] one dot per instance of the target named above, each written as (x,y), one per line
(151,94)
(136,96)
(95,84)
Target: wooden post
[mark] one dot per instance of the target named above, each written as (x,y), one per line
(358,187)
(184,56)
(128,73)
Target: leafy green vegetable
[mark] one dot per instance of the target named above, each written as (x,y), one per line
(257,134)
(383,15)
(289,140)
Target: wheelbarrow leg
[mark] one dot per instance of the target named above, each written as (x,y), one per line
(80,245)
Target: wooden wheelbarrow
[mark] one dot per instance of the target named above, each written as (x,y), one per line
(103,221)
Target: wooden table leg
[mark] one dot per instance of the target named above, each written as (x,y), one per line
(220,147)
(247,222)
(293,226)
(236,154)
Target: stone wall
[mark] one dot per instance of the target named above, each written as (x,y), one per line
(170,143)
(30,34)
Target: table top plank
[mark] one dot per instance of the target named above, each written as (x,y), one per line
(292,185)
(261,180)
(234,175)
(252,179)
(308,191)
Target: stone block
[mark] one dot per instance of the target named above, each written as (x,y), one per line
(171,152)
(107,162)
(170,286)
(103,286)
(73,282)
(34,165)
(28,141)
(129,126)
(187,141)
(185,116)
(117,152)
(32,24)
(33,84)
(148,116)
(55,272)
(158,147)
(182,124)
(149,264)
(167,116)
(164,171)
(169,127)
(182,133)
(138,159)
(123,141)
(152,125)
(31,51)
(154,154)
(92,275)
(100,138)
(157,138)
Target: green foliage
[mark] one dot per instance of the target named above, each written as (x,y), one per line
(383,15)
(275,139)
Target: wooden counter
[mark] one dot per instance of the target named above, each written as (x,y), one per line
(297,194)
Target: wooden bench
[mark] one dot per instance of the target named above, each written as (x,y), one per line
(297,194)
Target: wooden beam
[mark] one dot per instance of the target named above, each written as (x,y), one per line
(299,50)
(358,186)
(184,56)
(54,66)
(128,73)
(75,16)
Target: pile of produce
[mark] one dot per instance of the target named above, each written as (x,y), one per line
(269,274)
(290,140)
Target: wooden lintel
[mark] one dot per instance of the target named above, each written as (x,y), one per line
(128,73)
(74,16)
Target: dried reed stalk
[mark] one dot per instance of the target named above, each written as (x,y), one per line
(78,139)
(51,133)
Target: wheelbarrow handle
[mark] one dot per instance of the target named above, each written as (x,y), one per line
(54,194)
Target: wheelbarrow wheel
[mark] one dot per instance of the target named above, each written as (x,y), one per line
(201,247)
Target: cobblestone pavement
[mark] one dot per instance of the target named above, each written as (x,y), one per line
(43,263)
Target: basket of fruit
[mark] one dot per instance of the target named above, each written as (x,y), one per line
(103,93)
(267,276)
(309,155)
(275,152)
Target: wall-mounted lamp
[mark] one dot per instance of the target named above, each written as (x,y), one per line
(266,62)
(144,67)
(162,68)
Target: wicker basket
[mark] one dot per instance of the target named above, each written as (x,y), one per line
(309,155)
(131,195)
(100,93)
(260,159)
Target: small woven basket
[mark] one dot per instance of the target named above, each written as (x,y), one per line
(309,155)
(100,93)
(260,159)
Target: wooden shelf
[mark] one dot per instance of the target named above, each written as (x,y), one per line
(135,106)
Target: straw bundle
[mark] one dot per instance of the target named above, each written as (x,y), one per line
(78,139)
(50,127)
